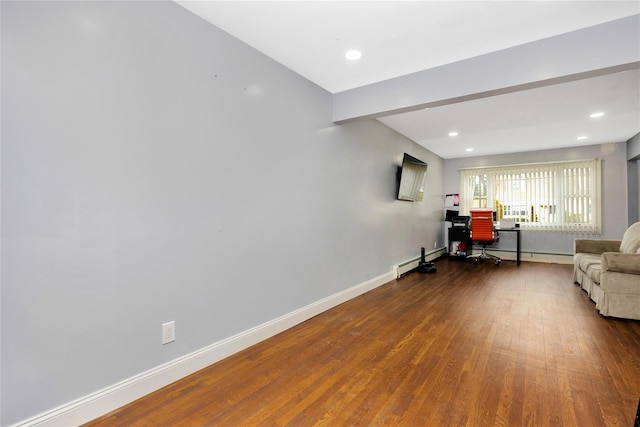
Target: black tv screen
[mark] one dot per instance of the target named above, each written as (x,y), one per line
(412,177)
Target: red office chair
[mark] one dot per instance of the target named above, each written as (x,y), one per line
(482,232)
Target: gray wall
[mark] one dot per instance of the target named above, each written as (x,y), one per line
(156,169)
(614,189)
(633,147)
(633,191)
(633,166)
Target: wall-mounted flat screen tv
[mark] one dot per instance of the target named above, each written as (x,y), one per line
(411,179)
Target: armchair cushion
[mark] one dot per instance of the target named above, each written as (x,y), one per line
(631,239)
(587,260)
(594,273)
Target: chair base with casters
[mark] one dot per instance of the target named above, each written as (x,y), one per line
(482,233)
(484,255)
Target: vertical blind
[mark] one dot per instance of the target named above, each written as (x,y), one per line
(559,196)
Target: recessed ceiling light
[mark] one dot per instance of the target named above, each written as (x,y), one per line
(453,133)
(353,54)
(468,149)
(596,115)
(580,138)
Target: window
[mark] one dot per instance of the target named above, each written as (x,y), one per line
(563,196)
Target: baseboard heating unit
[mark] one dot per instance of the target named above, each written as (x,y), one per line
(410,265)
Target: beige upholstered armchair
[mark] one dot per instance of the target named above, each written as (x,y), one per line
(609,271)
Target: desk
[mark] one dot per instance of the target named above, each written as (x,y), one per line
(513,230)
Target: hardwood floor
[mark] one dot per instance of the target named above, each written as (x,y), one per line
(474,345)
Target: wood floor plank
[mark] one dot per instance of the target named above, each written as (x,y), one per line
(471,345)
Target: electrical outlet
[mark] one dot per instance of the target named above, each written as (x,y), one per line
(168,332)
(435,244)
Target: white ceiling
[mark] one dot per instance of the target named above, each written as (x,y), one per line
(544,118)
(397,38)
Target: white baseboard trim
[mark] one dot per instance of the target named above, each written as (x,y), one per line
(115,396)
(410,265)
(530,256)
(547,258)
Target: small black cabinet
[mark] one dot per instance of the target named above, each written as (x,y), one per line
(459,242)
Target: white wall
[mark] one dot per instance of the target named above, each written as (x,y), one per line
(156,169)
(614,190)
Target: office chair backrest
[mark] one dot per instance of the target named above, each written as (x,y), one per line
(482,225)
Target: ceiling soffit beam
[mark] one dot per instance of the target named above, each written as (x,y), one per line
(598,50)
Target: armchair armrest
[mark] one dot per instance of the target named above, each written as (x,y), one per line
(621,262)
(595,246)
